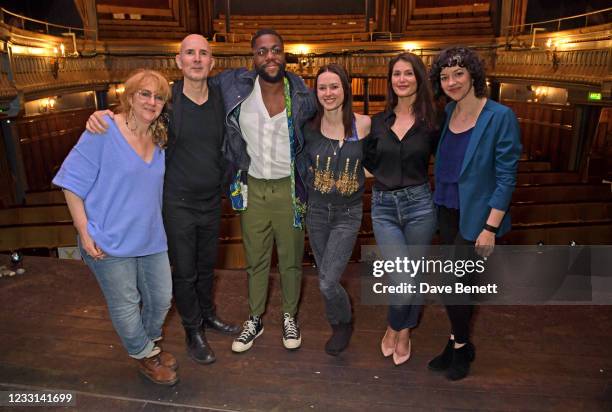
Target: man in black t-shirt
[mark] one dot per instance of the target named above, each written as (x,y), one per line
(192,193)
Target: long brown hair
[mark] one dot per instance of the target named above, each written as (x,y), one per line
(159,127)
(347,104)
(423,107)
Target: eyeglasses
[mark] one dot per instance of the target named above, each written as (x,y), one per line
(145,95)
(264,51)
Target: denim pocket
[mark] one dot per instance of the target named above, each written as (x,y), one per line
(420,193)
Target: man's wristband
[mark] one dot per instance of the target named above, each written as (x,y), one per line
(490,228)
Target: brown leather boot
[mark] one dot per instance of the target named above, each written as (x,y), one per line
(152,369)
(168,360)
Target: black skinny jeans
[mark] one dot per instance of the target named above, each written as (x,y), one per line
(460,316)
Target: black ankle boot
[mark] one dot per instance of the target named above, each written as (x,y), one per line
(197,346)
(443,360)
(460,366)
(339,339)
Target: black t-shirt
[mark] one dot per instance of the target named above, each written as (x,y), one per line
(396,163)
(195,166)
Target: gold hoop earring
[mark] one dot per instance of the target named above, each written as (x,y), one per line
(129,117)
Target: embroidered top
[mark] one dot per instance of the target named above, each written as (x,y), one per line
(335,173)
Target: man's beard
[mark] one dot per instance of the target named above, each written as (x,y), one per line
(261,71)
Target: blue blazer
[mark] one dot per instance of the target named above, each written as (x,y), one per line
(488,174)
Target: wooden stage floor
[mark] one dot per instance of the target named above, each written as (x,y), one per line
(55,334)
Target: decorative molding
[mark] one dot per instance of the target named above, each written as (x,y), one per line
(584,64)
(577,67)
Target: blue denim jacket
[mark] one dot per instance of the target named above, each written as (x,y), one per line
(236,85)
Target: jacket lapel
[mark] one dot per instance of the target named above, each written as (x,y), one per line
(477,134)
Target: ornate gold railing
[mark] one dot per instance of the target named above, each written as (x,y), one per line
(587,62)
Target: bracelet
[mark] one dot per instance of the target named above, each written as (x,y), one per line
(490,228)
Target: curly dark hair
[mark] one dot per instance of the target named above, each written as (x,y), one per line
(462,57)
(424,110)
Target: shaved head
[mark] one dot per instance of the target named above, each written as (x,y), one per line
(194,40)
(195,58)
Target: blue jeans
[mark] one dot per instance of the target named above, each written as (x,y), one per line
(332,232)
(404,222)
(128,282)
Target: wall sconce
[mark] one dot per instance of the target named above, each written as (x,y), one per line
(301,49)
(305,59)
(119,89)
(56,61)
(409,46)
(551,52)
(47,104)
(541,91)
(306,62)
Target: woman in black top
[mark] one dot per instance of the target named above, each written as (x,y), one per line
(403,216)
(335,188)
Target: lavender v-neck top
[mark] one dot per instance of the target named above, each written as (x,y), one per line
(122,193)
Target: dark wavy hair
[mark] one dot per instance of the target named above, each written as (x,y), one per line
(347,104)
(263,32)
(462,57)
(423,107)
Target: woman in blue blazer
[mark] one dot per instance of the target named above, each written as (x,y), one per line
(475,175)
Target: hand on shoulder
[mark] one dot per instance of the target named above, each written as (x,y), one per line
(96,123)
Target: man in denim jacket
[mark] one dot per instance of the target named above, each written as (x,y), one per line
(265,110)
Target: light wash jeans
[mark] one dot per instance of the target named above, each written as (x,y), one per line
(404,222)
(128,282)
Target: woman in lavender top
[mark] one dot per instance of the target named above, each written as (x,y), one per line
(113,187)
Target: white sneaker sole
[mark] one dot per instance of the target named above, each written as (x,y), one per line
(239,347)
(292,344)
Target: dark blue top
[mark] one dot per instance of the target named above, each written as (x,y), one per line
(450,158)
